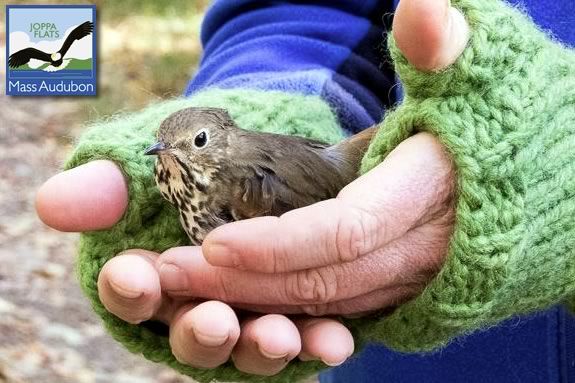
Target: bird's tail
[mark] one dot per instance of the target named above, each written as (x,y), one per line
(349,152)
(353,148)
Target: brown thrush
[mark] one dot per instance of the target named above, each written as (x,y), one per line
(215,172)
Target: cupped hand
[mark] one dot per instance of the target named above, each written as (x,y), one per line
(203,333)
(372,247)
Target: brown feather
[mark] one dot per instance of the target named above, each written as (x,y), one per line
(244,174)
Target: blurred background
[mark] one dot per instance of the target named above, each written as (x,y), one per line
(147,51)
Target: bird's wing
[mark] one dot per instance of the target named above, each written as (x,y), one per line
(282,173)
(79,32)
(262,192)
(23,56)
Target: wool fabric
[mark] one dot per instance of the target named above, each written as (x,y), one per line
(152,223)
(505,111)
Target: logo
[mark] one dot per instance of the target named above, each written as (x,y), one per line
(51,50)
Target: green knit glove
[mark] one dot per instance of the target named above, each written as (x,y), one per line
(151,223)
(506,113)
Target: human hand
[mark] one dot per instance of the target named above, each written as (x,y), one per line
(94,197)
(207,334)
(374,246)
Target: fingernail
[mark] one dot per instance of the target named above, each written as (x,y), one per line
(271,355)
(210,340)
(172,278)
(124,292)
(219,255)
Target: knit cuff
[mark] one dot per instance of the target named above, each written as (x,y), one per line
(151,223)
(505,111)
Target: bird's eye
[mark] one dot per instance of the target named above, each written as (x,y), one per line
(201,139)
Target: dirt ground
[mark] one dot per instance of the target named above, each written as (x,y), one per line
(48,332)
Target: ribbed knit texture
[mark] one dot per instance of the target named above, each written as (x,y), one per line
(506,113)
(151,223)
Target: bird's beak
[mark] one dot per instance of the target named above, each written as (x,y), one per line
(155,148)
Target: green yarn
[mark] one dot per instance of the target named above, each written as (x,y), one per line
(151,223)
(506,113)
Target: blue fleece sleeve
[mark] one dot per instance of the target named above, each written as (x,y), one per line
(556,17)
(333,49)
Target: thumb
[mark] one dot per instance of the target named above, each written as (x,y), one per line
(413,183)
(93,196)
(430,33)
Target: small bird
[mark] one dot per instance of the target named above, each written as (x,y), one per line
(24,56)
(215,172)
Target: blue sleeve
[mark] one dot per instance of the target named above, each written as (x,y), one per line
(556,17)
(332,49)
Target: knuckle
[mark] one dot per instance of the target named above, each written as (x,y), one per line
(223,288)
(277,260)
(279,256)
(356,235)
(313,286)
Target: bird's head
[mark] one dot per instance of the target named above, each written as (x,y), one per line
(55,56)
(192,143)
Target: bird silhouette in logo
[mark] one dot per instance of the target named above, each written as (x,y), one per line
(23,56)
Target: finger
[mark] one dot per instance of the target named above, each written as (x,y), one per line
(325,339)
(204,336)
(266,345)
(129,286)
(184,272)
(431,34)
(93,196)
(372,211)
